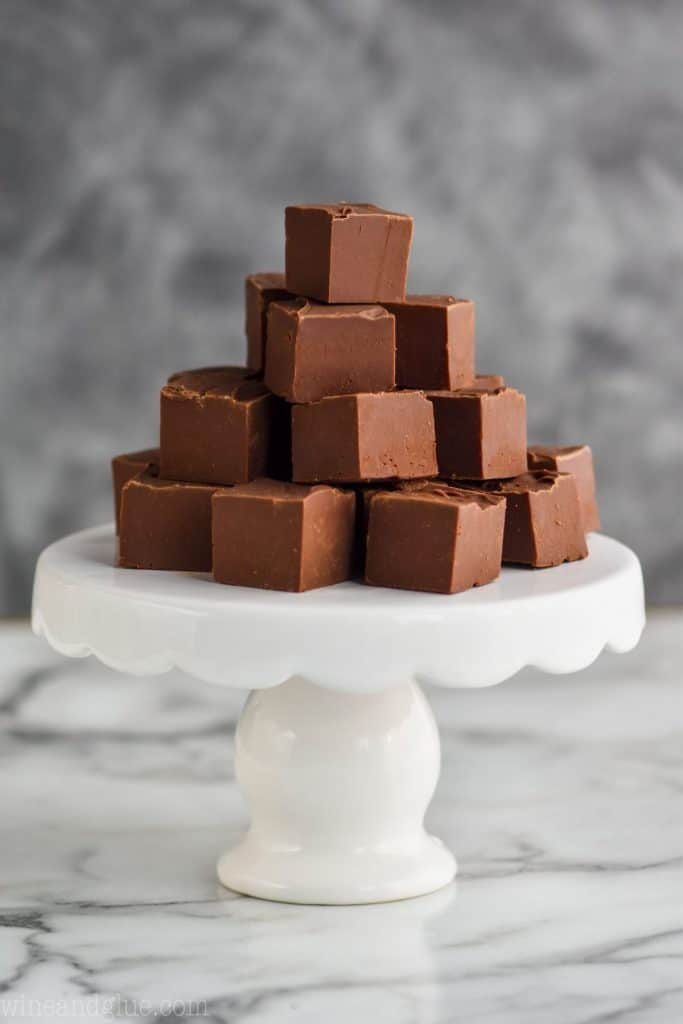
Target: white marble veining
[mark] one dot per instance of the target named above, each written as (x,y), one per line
(560,796)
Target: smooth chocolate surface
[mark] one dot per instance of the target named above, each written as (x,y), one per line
(577,460)
(480,434)
(543,524)
(165,525)
(434,538)
(353,438)
(283,536)
(125,467)
(347,252)
(315,350)
(259,291)
(434,341)
(366,492)
(219,425)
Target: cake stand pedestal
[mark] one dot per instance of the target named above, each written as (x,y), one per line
(337,751)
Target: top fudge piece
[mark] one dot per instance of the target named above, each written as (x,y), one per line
(216,426)
(352,438)
(125,467)
(315,350)
(434,341)
(347,252)
(480,434)
(577,460)
(259,291)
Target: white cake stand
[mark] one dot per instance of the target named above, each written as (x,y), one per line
(337,751)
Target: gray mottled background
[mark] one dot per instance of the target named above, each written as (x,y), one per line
(147,150)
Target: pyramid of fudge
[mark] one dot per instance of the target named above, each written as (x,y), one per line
(358,441)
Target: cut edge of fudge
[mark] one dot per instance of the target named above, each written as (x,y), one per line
(220,425)
(432,548)
(177,544)
(435,341)
(327,259)
(295,553)
(235,383)
(525,542)
(403,454)
(260,290)
(127,465)
(576,459)
(468,421)
(316,350)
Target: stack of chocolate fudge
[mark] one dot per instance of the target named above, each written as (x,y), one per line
(357,443)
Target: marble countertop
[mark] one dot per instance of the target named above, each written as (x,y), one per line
(561,796)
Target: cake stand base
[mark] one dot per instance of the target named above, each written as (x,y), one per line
(337,786)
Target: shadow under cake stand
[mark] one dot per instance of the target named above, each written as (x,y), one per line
(337,751)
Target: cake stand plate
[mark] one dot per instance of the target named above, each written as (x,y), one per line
(337,751)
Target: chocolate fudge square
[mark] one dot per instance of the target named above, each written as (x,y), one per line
(439,539)
(577,460)
(347,252)
(125,467)
(165,525)
(543,524)
(353,438)
(216,426)
(434,341)
(259,291)
(315,350)
(283,536)
(480,434)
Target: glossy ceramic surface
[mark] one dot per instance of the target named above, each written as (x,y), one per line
(337,752)
(347,637)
